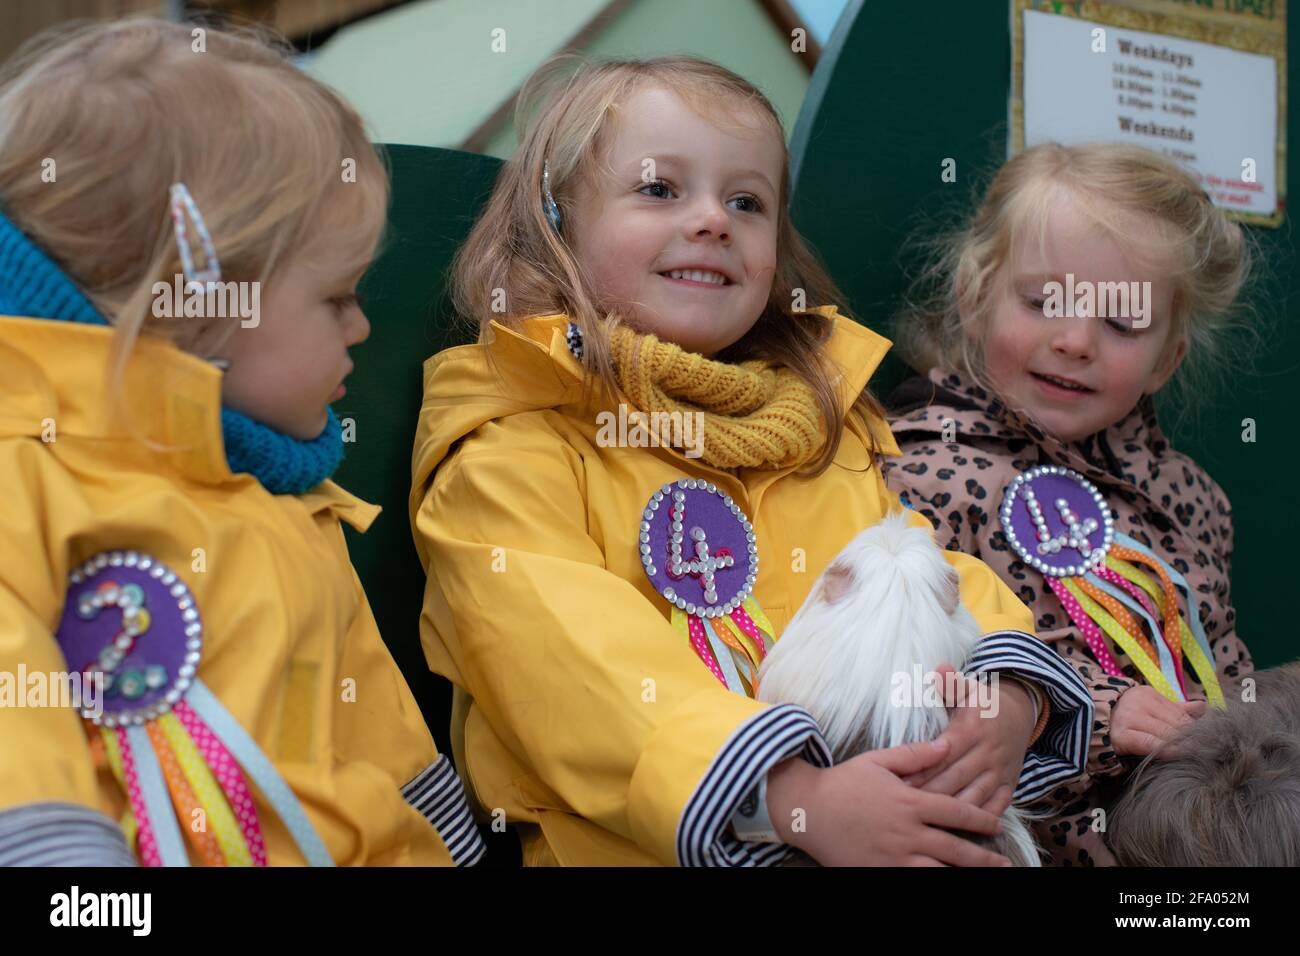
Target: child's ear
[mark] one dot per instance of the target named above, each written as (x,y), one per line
(950,591)
(837,583)
(1166,367)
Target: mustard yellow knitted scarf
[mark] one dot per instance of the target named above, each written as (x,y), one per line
(755,416)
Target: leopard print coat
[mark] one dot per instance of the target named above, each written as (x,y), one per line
(961,447)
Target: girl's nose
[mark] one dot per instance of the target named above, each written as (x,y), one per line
(358,328)
(1075,337)
(709,217)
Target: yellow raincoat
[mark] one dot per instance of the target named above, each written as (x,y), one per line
(290,646)
(582,714)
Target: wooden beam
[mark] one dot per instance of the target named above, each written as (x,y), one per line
(787,19)
(19,22)
(296,19)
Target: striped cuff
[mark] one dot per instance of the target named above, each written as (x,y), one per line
(1060,753)
(61,834)
(704,837)
(440,797)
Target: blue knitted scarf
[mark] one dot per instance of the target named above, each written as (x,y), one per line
(32,285)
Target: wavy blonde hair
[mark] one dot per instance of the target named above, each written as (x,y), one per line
(945,318)
(565,117)
(127,108)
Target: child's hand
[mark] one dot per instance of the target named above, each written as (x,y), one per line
(859,813)
(988,751)
(1143,719)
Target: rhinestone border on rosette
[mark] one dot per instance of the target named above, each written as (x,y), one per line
(1015,491)
(191,621)
(669,492)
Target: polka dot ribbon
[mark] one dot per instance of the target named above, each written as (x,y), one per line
(191,811)
(1114,577)
(177,762)
(1091,632)
(261,771)
(1136,605)
(218,815)
(738,640)
(1193,642)
(227,773)
(1126,621)
(1169,606)
(119,758)
(689,627)
(1090,611)
(746,631)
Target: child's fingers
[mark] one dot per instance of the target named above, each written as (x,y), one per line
(1164,728)
(1137,743)
(921,777)
(981,790)
(909,758)
(953,850)
(956,776)
(940,810)
(1169,711)
(1001,799)
(1195,708)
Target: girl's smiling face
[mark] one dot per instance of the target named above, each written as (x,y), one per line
(678,230)
(1078,375)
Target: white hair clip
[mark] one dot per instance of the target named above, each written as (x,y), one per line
(182,203)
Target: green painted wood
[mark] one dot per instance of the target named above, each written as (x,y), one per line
(437,195)
(895,94)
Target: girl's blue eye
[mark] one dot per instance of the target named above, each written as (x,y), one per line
(657,184)
(1121,327)
(1034,302)
(754,204)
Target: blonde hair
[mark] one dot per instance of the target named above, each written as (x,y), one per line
(945,318)
(513,248)
(125,109)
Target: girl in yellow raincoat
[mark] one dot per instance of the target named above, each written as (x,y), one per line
(652,408)
(189,669)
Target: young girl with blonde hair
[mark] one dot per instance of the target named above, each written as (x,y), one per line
(173,547)
(595,594)
(1086,278)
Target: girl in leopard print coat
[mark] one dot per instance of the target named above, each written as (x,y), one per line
(1013,383)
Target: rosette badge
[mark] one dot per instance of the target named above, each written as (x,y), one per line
(133,623)
(1058,522)
(700,552)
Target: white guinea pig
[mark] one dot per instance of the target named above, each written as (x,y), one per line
(886,611)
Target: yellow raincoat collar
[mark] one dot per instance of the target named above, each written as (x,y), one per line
(540,343)
(52,378)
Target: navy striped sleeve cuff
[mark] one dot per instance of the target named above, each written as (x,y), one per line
(439,795)
(61,834)
(1060,754)
(704,836)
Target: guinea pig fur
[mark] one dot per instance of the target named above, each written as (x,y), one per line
(885,610)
